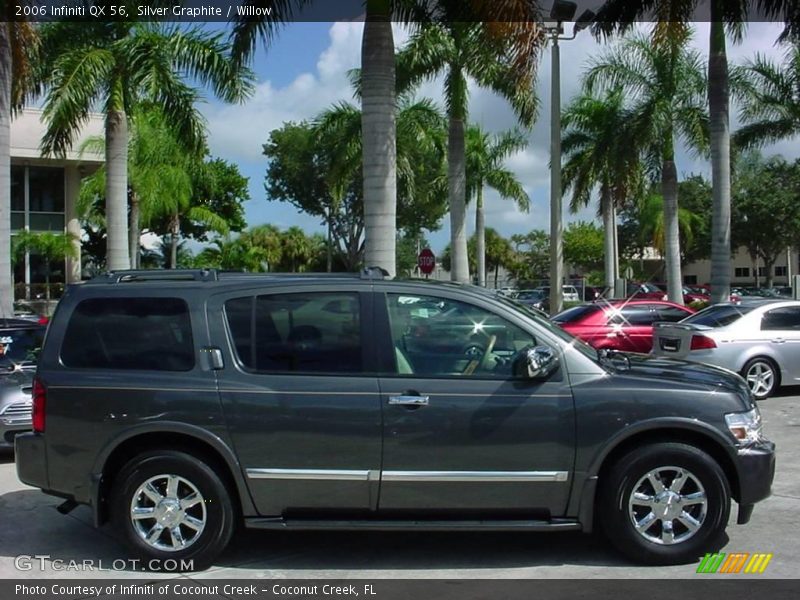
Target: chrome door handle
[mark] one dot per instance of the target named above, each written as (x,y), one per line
(409,400)
(778,341)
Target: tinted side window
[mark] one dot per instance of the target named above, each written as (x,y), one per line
(143,334)
(436,337)
(671,314)
(781,318)
(633,315)
(316,332)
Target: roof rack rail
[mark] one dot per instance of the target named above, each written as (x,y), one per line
(137,275)
(374,273)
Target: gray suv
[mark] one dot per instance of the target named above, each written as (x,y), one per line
(180,404)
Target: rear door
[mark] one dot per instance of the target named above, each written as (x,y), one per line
(782,328)
(461,435)
(300,396)
(633,325)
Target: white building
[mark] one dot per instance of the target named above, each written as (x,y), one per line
(44,191)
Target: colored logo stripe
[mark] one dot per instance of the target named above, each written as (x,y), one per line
(733,563)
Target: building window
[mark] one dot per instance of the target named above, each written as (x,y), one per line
(762,271)
(780,271)
(46,198)
(17,198)
(740,272)
(690,279)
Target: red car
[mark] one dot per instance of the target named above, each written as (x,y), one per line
(619,324)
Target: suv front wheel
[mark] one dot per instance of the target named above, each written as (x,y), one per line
(665,504)
(172,507)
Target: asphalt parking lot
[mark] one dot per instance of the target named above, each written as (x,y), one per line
(30,525)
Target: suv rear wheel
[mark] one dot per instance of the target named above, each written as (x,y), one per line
(665,504)
(169,505)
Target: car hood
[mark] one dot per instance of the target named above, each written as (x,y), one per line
(682,373)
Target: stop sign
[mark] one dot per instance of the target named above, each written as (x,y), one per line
(426,261)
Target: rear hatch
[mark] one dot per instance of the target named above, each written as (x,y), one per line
(696,332)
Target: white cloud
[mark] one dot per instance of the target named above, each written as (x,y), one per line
(238,132)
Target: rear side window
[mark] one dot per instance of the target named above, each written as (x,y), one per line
(138,334)
(315,332)
(787,318)
(718,316)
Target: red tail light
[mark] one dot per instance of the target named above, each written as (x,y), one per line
(702,342)
(43,320)
(39,404)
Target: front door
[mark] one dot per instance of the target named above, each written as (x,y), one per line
(461,435)
(303,413)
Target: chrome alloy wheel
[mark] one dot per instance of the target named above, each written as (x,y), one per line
(667,506)
(761,378)
(168,513)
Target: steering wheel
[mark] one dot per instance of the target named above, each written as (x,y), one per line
(483,362)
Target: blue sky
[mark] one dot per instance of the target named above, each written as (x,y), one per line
(304,72)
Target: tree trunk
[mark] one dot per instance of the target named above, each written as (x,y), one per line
(672,243)
(329,250)
(6,282)
(769,267)
(718,105)
(607,209)
(117,257)
(175,228)
(134,232)
(379,137)
(456,182)
(496,274)
(480,235)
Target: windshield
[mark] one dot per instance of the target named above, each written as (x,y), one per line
(718,316)
(19,346)
(552,328)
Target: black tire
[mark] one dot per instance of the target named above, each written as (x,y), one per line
(216,510)
(616,515)
(764,363)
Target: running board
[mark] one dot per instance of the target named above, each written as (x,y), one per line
(424,525)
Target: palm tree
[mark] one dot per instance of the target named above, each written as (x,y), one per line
(115,66)
(621,15)
(161,172)
(233,254)
(666,83)
(19,45)
(460,50)
(50,246)
(769,103)
(296,248)
(649,210)
(485,155)
(599,153)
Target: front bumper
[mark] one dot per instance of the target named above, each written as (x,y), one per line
(755,467)
(31,460)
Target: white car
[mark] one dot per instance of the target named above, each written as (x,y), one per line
(570,292)
(759,339)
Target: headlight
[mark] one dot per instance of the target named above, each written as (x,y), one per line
(746,426)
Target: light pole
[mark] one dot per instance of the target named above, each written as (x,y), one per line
(562,11)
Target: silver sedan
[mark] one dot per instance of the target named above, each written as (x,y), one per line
(759,339)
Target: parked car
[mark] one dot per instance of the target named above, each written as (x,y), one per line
(694,295)
(570,292)
(20,341)
(535,298)
(625,325)
(179,404)
(759,339)
(645,291)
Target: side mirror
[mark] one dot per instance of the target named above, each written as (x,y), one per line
(535,362)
